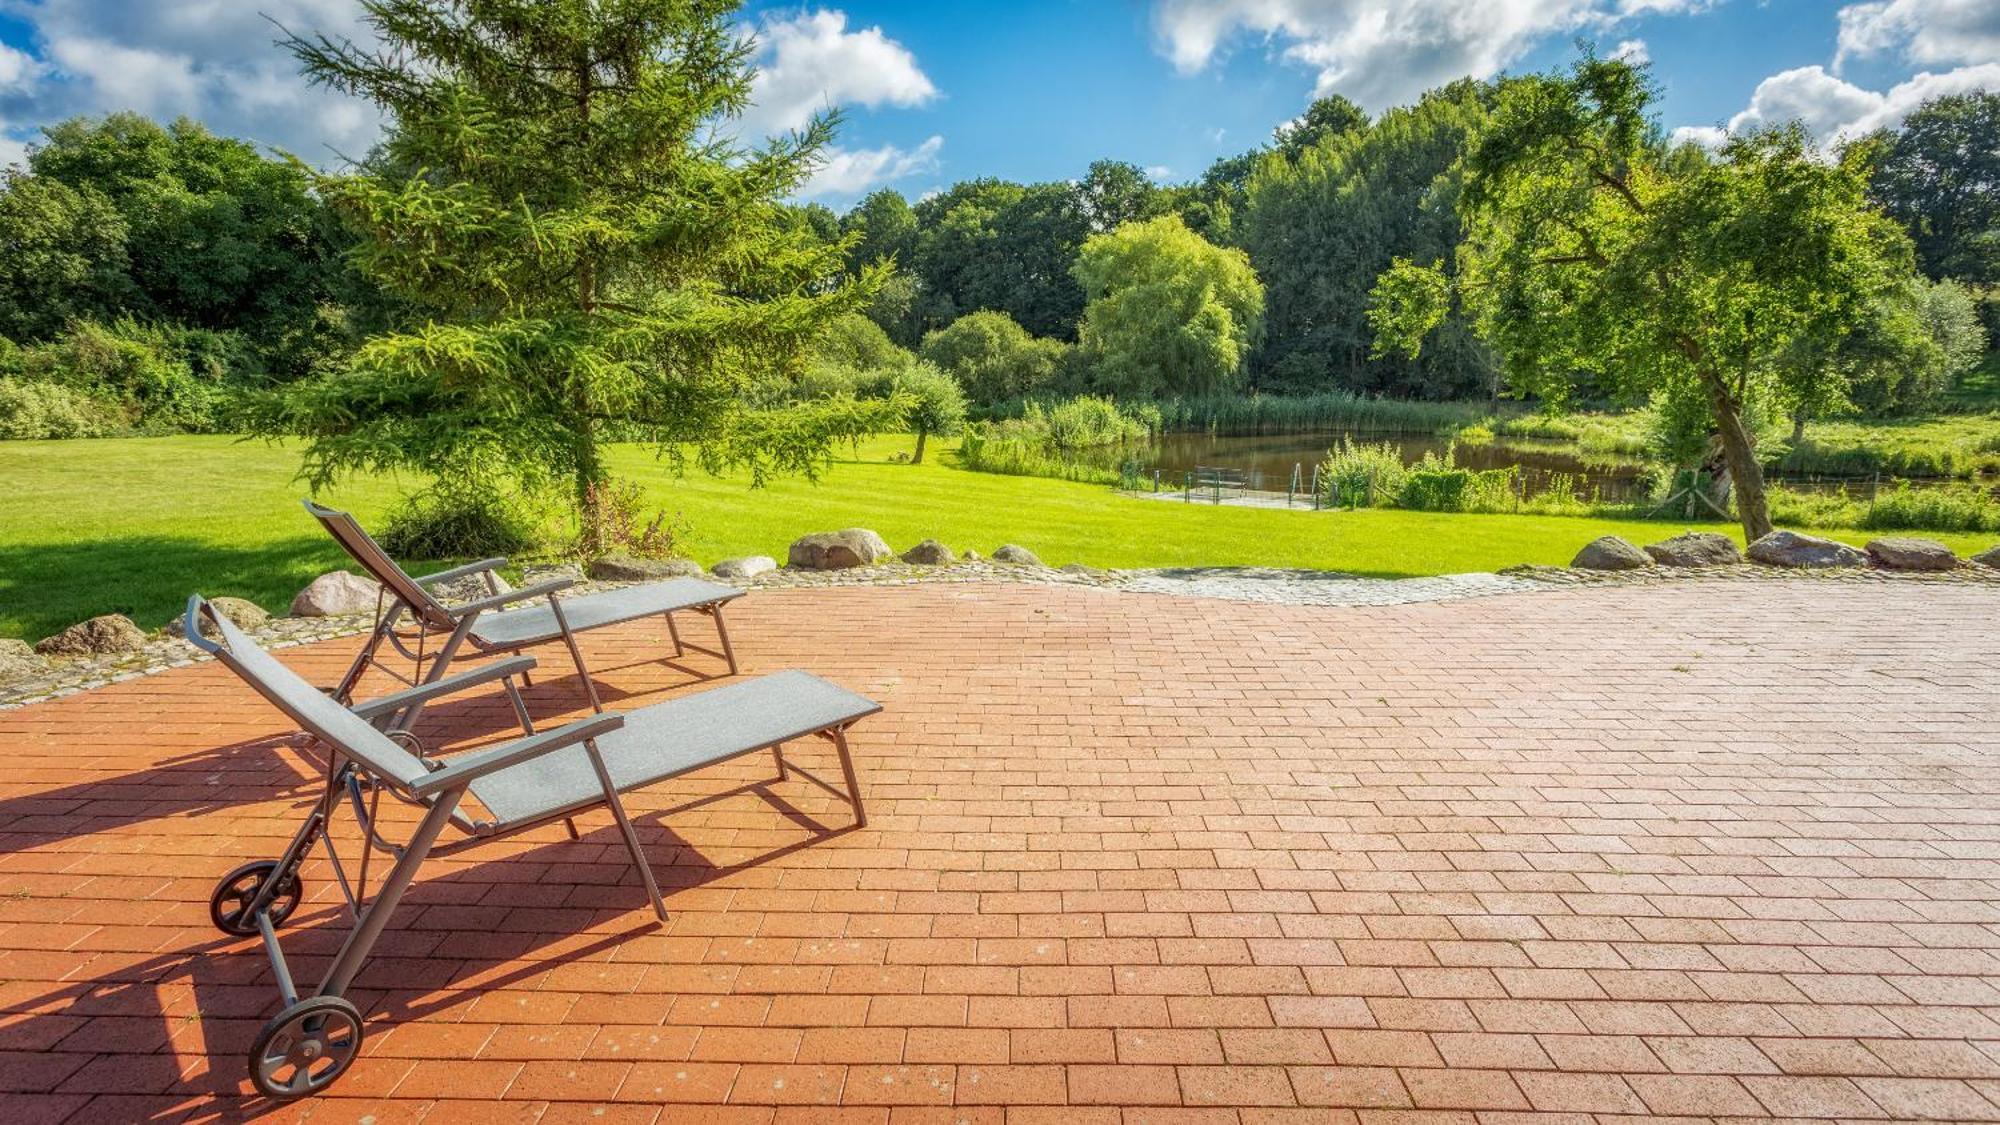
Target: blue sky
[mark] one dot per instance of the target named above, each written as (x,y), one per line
(1036,89)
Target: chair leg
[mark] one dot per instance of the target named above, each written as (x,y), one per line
(576,654)
(625,828)
(674,631)
(361,940)
(722,631)
(853,786)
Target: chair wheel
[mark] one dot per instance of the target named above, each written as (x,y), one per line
(229,906)
(305,1048)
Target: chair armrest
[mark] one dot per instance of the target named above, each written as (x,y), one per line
(479,567)
(472,766)
(509,597)
(423,693)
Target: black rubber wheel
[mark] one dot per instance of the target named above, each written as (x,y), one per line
(305,1048)
(229,906)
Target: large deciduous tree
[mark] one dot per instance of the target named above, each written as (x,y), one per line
(1321,218)
(1169,311)
(558,188)
(1940,176)
(1592,252)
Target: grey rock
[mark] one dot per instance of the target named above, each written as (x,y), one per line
(549,572)
(238,612)
(18,660)
(1609,552)
(838,550)
(335,594)
(971,555)
(1988,558)
(1080,568)
(1905,552)
(1789,548)
(1016,556)
(1696,548)
(749,566)
(621,567)
(469,587)
(930,552)
(113,632)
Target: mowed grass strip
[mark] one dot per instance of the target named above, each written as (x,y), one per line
(134,525)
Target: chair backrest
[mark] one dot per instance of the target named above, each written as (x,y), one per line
(311,708)
(362,548)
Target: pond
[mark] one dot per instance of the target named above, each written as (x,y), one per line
(1270,458)
(1267,461)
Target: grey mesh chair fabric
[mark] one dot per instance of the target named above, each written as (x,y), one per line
(545,776)
(437,633)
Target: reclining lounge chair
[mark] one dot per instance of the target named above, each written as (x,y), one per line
(550,775)
(491,628)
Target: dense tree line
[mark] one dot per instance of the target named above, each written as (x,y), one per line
(150,271)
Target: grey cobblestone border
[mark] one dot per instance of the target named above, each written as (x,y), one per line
(1248,584)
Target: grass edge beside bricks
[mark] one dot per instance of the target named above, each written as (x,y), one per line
(861,548)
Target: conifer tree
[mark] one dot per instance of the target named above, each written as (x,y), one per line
(590,251)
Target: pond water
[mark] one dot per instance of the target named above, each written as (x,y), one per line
(1269,458)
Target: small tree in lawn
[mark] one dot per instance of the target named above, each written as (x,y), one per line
(558,192)
(1593,252)
(935,402)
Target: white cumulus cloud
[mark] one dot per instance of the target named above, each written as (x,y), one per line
(214,60)
(811,61)
(1386,52)
(1834,109)
(850,172)
(1926,32)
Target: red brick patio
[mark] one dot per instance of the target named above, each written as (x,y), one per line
(1715,849)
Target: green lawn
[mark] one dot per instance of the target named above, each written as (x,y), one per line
(134,525)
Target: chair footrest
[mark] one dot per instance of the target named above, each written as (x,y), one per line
(535,623)
(672,738)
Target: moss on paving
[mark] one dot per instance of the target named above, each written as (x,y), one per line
(134,525)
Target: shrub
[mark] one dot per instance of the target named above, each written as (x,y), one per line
(1359,475)
(1937,509)
(50,410)
(458,522)
(995,359)
(146,370)
(609,521)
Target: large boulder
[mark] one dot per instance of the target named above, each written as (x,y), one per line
(622,567)
(1988,558)
(238,612)
(113,632)
(1906,552)
(1609,552)
(749,566)
(838,550)
(1695,548)
(1015,556)
(1789,548)
(930,552)
(18,660)
(336,594)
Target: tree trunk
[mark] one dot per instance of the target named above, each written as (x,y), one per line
(918,458)
(1739,449)
(1798,427)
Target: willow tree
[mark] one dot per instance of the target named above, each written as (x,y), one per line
(587,250)
(1596,257)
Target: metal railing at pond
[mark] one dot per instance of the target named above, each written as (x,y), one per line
(1212,484)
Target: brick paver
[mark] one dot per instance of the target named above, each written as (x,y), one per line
(1718,850)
